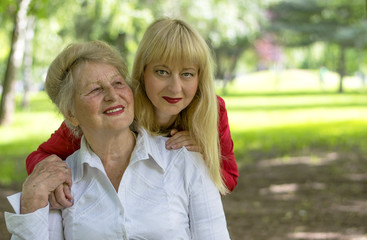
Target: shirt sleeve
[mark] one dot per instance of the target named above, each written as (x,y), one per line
(41,224)
(229,167)
(62,143)
(206,213)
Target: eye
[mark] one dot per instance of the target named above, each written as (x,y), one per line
(119,84)
(162,72)
(95,91)
(187,74)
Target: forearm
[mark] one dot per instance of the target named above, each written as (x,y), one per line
(27,226)
(31,201)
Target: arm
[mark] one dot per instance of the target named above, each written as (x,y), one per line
(229,166)
(32,218)
(62,143)
(42,224)
(206,214)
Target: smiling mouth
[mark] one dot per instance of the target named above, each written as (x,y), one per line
(172,100)
(115,110)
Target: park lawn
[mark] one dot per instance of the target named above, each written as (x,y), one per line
(268,125)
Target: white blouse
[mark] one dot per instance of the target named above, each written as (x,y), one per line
(162,195)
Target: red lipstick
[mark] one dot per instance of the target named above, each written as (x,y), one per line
(172,100)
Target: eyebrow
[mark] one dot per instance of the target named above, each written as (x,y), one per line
(99,81)
(184,69)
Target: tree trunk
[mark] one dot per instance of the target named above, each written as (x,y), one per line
(341,68)
(28,60)
(7,106)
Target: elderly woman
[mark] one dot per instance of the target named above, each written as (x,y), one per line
(125,184)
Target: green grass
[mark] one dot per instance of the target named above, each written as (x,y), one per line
(29,129)
(267,126)
(264,123)
(295,116)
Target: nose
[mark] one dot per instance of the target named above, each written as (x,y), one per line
(110,94)
(175,84)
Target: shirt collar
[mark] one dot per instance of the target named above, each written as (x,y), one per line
(86,156)
(147,147)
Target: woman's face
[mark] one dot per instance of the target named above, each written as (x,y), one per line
(103,100)
(170,88)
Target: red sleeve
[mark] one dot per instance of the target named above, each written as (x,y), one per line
(62,143)
(229,166)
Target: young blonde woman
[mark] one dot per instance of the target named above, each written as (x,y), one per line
(174,96)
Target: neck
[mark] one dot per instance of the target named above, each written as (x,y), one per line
(165,122)
(111,146)
(114,150)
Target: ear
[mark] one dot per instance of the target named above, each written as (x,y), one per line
(72,119)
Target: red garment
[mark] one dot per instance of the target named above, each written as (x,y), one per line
(63,144)
(229,165)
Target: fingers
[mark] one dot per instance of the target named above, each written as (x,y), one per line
(193,148)
(53,202)
(173,132)
(68,180)
(61,198)
(180,139)
(67,192)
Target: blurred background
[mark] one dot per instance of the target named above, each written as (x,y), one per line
(292,73)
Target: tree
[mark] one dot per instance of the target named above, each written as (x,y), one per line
(304,22)
(28,60)
(7,105)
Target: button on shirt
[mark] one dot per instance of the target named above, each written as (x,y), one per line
(162,195)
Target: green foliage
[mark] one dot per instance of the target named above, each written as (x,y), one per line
(307,21)
(340,23)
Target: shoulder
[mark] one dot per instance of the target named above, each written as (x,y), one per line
(221,106)
(191,164)
(221,102)
(180,161)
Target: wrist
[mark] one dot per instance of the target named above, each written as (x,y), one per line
(31,201)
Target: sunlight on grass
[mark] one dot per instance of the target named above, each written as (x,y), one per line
(291,80)
(275,111)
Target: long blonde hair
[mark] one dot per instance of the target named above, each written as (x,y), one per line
(173,40)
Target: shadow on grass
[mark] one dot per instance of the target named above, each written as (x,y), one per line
(300,200)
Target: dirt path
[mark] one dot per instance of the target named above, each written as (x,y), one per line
(305,198)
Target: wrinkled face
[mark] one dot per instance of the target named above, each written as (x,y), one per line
(103,100)
(170,88)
